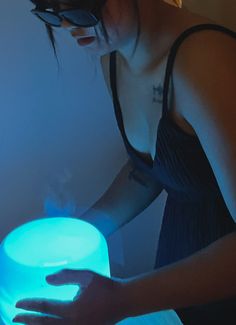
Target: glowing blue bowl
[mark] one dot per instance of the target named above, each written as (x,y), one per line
(39,248)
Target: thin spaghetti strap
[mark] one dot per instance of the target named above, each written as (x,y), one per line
(173,53)
(113,74)
(115,98)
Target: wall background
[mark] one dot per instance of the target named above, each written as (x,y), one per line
(54,130)
(222,11)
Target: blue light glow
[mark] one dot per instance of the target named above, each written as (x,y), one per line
(42,247)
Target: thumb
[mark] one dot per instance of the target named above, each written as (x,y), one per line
(69,276)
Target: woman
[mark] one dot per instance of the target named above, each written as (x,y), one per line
(172,78)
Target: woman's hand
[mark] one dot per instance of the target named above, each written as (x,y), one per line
(99,301)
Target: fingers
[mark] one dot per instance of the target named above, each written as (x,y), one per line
(68,276)
(53,307)
(39,320)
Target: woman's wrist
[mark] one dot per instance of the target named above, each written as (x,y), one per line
(122,302)
(137,296)
(100,220)
(129,298)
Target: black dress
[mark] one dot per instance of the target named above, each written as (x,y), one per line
(195,213)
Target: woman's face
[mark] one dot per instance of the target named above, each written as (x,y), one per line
(120,22)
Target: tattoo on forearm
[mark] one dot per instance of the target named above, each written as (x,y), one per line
(133,175)
(158,94)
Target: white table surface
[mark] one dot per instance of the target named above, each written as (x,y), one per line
(167,317)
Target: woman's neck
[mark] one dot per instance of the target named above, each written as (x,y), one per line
(161,24)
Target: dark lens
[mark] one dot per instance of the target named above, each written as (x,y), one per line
(80,17)
(49,18)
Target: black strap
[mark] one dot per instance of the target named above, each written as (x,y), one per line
(113,73)
(173,53)
(115,98)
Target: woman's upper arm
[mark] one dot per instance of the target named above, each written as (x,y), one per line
(205,91)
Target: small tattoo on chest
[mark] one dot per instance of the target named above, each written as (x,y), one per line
(157,94)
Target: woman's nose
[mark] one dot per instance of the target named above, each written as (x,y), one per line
(72,29)
(65,24)
(69,27)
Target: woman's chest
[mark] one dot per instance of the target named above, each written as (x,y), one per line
(141,108)
(141,104)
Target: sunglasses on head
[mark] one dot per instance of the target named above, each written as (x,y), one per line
(81,13)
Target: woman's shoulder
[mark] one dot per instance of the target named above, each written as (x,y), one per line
(208,52)
(201,58)
(204,61)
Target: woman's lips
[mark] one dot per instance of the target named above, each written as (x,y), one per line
(85,40)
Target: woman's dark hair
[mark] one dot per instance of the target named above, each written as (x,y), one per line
(51,35)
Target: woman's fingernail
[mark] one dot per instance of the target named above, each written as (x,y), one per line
(21,304)
(50,277)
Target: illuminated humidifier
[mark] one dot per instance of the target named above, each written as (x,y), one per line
(42,247)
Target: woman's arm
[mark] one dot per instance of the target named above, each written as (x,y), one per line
(128,195)
(206,276)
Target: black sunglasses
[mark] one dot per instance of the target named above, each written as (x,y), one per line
(78,15)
